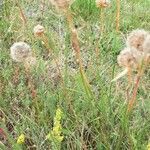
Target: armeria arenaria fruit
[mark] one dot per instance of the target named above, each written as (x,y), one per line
(30,61)
(61,4)
(102,3)
(136,53)
(20,51)
(127,59)
(136,39)
(146,45)
(38,30)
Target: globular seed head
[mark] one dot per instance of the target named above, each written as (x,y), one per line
(126,58)
(102,3)
(138,55)
(146,45)
(20,51)
(136,39)
(54,69)
(38,30)
(61,4)
(30,61)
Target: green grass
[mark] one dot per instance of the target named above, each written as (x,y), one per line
(98,122)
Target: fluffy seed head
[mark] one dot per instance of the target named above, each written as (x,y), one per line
(38,30)
(136,39)
(138,55)
(126,58)
(53,74)
(102,3)
(30,61)
(20,51)
(146,45)
(61,4)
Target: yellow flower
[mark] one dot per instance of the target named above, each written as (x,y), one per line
(148,146)
(21,139)
(55,134)
(57,129)
(58,115)
(59,138)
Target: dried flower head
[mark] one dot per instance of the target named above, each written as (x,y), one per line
(61,4)
(127,59)
(146,45)
(38,30)
(20,51)
(138,55)
(102,3)
(136,39)
(53,73)
(30,61)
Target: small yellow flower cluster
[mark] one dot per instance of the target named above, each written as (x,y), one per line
(55,134)
(21,139)
(148,146)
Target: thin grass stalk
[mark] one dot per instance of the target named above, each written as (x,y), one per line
(97,52)
(76,47)
(23,17)
(136,86)
(129,75)
(133,99)
(42,8)
(32,89)
(102,20)
(44,38)
(118,16)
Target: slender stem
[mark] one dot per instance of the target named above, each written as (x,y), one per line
(136,86)
(45,40)
(118,16)
(76,47)
(33,91)
(129,75)
(133,99)
(102,20)
(42,3)
(23,17)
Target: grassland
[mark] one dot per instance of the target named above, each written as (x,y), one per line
(96,122)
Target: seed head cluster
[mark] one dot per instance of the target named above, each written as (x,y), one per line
(102,3)
(38,30)
(136,39)
(30,61)
(20,51)
(61,4)
(126,58)
(137,50)
(146,45)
